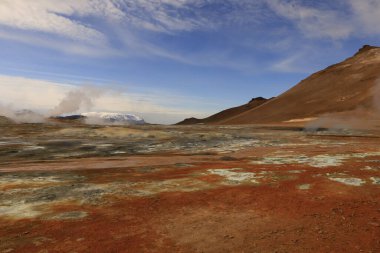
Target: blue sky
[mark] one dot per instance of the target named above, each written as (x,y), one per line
(166,60)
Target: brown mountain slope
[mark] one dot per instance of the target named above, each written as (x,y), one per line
(342,87)
(226,114)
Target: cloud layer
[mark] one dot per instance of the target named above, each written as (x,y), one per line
(125,28)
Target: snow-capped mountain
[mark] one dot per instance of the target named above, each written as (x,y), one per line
(112,118)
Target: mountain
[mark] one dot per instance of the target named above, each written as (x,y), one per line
(4,120)
(226,114)
(101,118)
(112,118)
(70,117)
(349,86)
(23,116)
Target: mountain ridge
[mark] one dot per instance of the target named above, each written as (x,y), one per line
(230,112)
(351,85)
(341,87)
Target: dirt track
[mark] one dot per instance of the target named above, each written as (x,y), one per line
(244,189)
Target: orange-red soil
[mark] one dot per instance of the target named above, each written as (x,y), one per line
(261,199)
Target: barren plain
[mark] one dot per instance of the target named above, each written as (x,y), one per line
(81,188)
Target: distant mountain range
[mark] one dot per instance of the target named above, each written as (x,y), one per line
(112,117)
(106,118)
(225,114)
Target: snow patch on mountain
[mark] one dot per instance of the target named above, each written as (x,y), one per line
(113,118)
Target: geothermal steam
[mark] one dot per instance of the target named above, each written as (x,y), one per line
(360,118)
(21,116)
(75,100)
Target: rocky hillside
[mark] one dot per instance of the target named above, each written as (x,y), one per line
(226,114)
(348,86)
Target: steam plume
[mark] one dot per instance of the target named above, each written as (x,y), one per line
(77,99)
(362,117)
(21,116)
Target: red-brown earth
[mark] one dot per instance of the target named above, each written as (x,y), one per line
(208,189)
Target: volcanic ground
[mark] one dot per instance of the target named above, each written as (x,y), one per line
(80,188)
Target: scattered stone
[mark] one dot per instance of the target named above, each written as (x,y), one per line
(235,176)
(318,161)
(375,224)
(375,180)
(296,171)
(349,181)
(69,216)
(304,186)
(369,168)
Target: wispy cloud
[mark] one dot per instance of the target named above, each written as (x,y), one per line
(313,22)
(142,28)
(53,17)
(116,20)
(333,20)
(61,45)
(59,25)
(366,13)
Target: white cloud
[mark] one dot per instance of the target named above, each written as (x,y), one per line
(313,22)
(352,18)
(366,13)
(161,16)
(90,27)
(122,28)
(60,45)
(60,25)
(52,16)
(42,96)
(64,17)
(288,65)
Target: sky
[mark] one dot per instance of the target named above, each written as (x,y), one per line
(166,60)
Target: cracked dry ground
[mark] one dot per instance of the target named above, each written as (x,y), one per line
(214,189)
